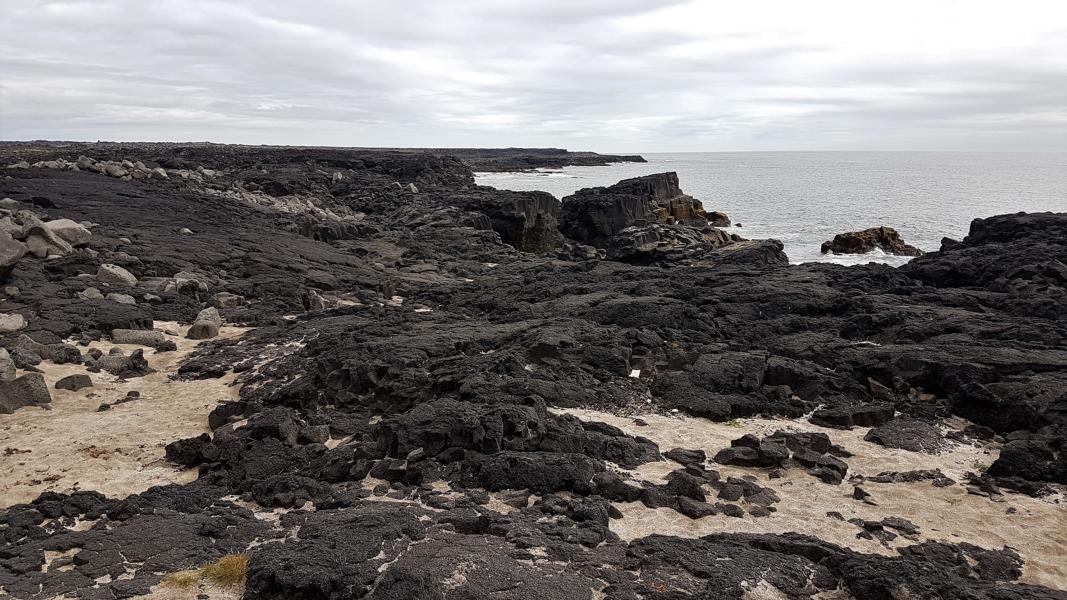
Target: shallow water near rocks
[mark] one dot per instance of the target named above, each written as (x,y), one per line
(805,198)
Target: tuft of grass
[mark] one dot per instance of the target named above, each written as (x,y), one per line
(979,466)
(183,579)
(732,423)
(228,571)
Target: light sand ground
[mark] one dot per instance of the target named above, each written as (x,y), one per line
(116,452)
(1038,530)
(166,591)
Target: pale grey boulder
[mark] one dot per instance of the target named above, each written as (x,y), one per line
(122,298)
(206,325)
(40,240)
(11,322)
(115,275)
(69,231)
(91,294)
(143,337)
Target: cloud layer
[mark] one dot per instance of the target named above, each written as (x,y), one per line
(608,75)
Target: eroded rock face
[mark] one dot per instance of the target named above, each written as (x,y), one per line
(526,220)
(885,239)
(595,215)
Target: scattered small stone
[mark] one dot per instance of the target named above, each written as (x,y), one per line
(91,294)
(859,493)
(129,397)
(122,298)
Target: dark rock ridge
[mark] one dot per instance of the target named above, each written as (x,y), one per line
(424,352)
(885,239)
(526,159)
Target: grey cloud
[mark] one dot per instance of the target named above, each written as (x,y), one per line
(610,75)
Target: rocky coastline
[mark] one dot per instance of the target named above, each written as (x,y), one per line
(371,378)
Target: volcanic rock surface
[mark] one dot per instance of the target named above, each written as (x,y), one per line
(441,396)
(885,239)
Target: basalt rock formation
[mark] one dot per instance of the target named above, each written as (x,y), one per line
(595,215)
(523,159)
(434,404)
(885,239)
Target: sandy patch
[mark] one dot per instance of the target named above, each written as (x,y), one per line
(117,452)
(165,591)
(1037,530)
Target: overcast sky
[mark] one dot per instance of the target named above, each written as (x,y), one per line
(606,75)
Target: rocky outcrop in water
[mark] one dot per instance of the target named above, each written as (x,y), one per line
(885,239)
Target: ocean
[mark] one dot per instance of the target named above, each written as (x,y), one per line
(805,198)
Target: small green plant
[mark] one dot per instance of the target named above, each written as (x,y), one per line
(733,423)
(980,466)
(228,571)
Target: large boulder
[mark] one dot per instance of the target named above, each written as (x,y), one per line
(28,390)
(11,322)
(914,435)
(70,231)
(40,239)
(74,382)
(885,239)
(115,275)
(143,337)
(206,325)
(595,215)
(11,251)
